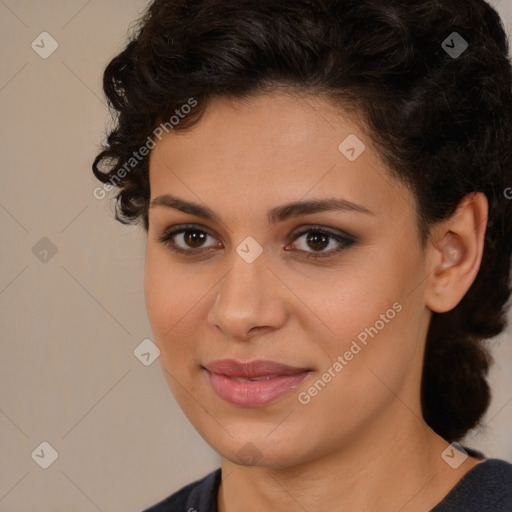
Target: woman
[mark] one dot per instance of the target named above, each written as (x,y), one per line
(323,184)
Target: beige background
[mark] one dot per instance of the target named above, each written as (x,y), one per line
(70,324)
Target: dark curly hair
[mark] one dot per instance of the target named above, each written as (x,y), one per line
(442,123)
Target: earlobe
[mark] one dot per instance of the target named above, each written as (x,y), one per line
(456,254)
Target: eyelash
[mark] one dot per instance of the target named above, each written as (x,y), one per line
(345,240)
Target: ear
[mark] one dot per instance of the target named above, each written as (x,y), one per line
(455,252)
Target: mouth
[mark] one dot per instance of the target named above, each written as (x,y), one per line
(255,383)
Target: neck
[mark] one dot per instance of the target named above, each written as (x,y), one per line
(398,469)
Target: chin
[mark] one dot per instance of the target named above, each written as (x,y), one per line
(254,447)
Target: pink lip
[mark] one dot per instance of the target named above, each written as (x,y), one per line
(276,381)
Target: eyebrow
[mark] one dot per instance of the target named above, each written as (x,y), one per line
(275,215)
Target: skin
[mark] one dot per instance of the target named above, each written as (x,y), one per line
(360,443)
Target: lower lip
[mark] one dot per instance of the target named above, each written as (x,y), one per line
(246,393)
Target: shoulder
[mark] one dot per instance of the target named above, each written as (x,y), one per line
(487,487)
(200,495)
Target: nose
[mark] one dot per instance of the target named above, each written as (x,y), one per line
(250,300)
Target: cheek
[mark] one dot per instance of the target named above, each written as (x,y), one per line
(169,294)
(177,301)
(169,289)
(156,291)
(167,305)
(364,310)
(348,299)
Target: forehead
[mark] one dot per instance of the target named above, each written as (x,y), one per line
(273,148)
(298,125)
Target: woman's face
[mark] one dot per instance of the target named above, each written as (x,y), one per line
(332,296)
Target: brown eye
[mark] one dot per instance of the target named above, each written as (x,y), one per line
(188,240)
(194,238)
(317,241)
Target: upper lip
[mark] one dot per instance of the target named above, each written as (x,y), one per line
(252,369)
